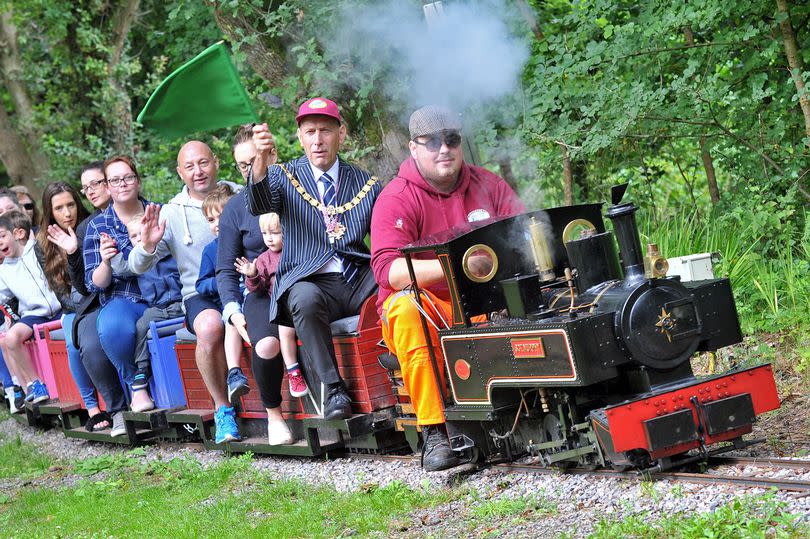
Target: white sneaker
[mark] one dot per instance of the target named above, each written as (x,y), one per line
(118,427)
(278,433)
(12,407)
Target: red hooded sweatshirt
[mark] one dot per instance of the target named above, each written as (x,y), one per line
(409,209)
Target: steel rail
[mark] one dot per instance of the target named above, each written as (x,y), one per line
(760,461)
(746,481)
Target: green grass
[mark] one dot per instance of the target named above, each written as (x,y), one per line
(750,517)
(18,459)
(122,496)
(501,508)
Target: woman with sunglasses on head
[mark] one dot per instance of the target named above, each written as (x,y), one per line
(29,207)
(63,225)
(105,248)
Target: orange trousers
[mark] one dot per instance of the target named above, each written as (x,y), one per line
(403,334)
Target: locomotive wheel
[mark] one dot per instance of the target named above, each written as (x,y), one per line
(473,455)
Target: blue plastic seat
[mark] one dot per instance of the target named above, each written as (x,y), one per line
(166,385)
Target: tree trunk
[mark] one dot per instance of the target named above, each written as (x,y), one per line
(268,63)
(579,175)
(14,154)
(25,158)
(708,166)
(505,166)
(708,162)
(795,62)
(568,177)
(121,121)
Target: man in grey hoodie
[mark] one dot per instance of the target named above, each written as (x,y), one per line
(180,228)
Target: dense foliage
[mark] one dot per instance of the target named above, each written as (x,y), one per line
(667,96)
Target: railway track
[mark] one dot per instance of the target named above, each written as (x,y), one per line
(800,486)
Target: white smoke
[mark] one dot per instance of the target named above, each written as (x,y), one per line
(466,56)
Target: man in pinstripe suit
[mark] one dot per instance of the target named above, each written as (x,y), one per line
(325,208)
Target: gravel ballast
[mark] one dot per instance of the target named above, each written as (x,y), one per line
(557,504)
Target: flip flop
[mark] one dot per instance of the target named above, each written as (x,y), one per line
(92,424)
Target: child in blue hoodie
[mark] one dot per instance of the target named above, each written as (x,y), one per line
(161,290)
(207,286)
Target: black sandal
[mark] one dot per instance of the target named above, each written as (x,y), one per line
(101,417)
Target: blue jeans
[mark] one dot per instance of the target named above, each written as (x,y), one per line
(5,376)
(116,326)
(99,367)
(86,388)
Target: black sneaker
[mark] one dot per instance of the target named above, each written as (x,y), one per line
(237,385)
(338,405)
(19,400)
(436,452)
(141,379)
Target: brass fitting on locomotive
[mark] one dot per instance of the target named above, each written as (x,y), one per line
(541,252)
(655,265)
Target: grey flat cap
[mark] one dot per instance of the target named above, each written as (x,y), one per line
(432,119)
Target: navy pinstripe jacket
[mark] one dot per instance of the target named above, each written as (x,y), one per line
(306,245)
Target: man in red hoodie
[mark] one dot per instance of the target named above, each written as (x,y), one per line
(433,191)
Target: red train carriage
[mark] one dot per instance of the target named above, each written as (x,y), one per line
(371,428)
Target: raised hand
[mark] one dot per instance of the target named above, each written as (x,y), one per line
(66,241)
(246,267)
(151,228)
(108,248)
(266,153)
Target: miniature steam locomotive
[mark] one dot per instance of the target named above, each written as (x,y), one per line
(588,367)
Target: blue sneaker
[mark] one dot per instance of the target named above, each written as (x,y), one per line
(237,385)
(225,422)
(37,392)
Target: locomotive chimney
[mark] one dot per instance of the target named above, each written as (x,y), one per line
(624,226)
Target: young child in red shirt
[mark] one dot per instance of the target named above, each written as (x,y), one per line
(260,275)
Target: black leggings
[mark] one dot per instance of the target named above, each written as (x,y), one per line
(101,370)
(268,372)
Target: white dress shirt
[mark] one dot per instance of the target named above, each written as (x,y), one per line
(334,265)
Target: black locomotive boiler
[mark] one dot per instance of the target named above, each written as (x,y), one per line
(583,360)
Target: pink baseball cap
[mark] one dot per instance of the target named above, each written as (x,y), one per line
(318,106)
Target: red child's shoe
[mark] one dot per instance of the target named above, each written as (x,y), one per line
(298,386)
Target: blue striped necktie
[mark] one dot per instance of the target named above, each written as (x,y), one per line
(350,269)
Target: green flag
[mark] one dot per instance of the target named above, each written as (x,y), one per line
(204,93)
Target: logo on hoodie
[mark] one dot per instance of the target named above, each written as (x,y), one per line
(477,215)
(398,223)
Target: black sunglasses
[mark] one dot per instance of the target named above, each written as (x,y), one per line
(434,142)
(28,205)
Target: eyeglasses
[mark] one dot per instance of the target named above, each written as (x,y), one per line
(244,166)
(27,205)
(434,142)
(92,186)
(129,179)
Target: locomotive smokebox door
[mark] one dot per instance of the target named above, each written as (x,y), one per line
(659,324)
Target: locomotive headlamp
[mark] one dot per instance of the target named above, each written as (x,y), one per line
(541,251)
